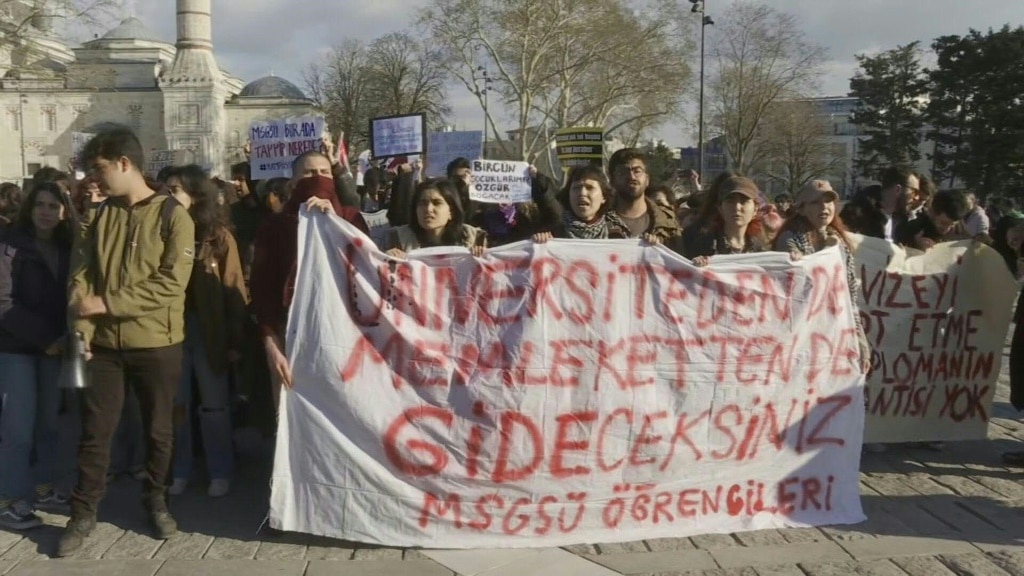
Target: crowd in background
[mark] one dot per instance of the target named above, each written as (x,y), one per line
(181,284)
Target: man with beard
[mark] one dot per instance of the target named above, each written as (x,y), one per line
(638,215)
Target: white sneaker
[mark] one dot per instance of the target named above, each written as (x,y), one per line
(219,487)
(178,487)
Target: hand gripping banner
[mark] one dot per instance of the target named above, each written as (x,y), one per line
(561,393)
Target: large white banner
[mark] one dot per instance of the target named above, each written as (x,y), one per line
(575,391)
(937,322)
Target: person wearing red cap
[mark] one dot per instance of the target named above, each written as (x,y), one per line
(274,267)
(728,224)
(815,225)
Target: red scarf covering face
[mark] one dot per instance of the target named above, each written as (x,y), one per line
(312,187)
(273,271)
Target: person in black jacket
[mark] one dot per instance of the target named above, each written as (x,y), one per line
(863,213)
(34,258)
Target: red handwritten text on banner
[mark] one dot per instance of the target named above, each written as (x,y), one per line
(570,392)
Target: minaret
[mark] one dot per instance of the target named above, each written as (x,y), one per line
(194,61)
(194,25)
(194,89)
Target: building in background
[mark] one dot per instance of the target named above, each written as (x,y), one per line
(716,159)
(174,96)
(842,141)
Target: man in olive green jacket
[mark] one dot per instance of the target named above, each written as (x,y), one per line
(128,279)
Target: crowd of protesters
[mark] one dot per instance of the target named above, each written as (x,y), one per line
(179,287)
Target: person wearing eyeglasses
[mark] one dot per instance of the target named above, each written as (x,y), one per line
(640,215)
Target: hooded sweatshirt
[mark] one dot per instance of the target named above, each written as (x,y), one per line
(276,257)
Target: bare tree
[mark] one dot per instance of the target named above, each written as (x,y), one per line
(761,57)
(407,77)
(394,74)
(564,63)
(794,145)
(339,84)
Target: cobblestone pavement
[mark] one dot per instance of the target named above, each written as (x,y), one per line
(957,511)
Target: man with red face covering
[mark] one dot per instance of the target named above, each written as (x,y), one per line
(274,268)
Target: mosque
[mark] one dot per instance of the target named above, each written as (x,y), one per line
(174,96)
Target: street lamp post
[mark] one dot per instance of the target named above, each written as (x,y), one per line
(484,91)
(705,21)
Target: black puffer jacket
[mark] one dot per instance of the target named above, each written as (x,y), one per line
(33,302)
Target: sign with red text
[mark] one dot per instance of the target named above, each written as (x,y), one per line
(275,144)
(567,392)
(937,324)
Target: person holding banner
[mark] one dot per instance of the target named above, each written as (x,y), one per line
(814,226)
(274,267)
(509,223)
(639,214)
(727,225)
(584,210)
(437,220)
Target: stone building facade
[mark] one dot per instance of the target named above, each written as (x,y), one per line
(174,96)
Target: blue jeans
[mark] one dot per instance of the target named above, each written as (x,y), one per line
(29,410)
(214,411)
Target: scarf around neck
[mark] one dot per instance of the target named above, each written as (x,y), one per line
(576,228)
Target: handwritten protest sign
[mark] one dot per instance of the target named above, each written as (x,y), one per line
(277,143)
(567,392)
(443,147)
(157,160)
(500,182)
(398,135)
(938,336)
(579,146)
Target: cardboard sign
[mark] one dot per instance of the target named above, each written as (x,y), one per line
(443,147)
(580,146)
(398,135)
(501,182)
(159,159)
(562,393)
(277,143)
(937,334)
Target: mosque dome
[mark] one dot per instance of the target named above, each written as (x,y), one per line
(131,29)
(272,87)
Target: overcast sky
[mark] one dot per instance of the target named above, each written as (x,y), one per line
(255,38)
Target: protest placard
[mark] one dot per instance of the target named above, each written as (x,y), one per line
(500,182)
(562,393)
(937,335)
(443,147)
(275,144)
(579,146)
(398,135)
(157,160)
